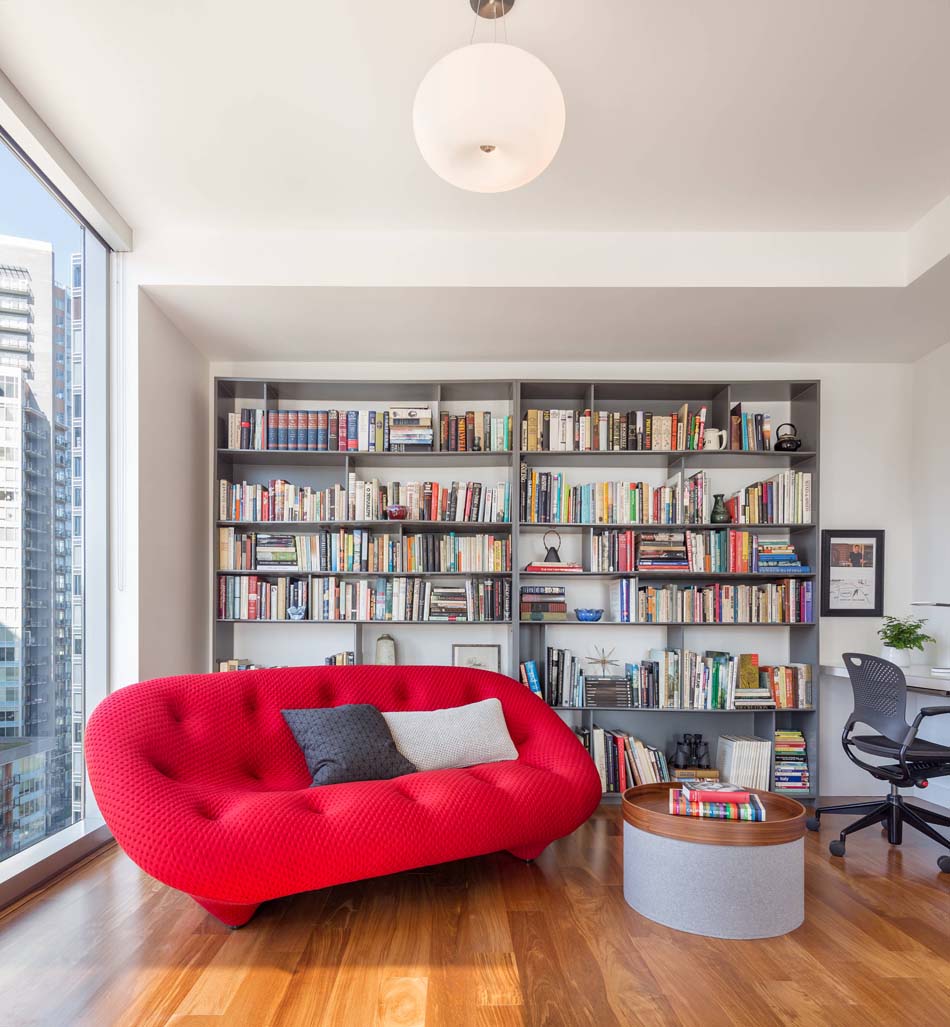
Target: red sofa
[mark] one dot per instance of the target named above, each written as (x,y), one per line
(203,785)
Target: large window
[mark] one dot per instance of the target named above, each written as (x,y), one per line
(53,302)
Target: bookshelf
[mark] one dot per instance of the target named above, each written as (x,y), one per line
(270,642)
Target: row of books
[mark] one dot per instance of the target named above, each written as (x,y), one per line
(358,550)
(791,762)
(780,602)
(567,431)
(255,598)
(237,663)
(543,603)
(749,431)
(785,498)
(622,760)
(397,429)
(279,500)
(474,431)
(347,658)
(546,498)
(728,551)
(744,760)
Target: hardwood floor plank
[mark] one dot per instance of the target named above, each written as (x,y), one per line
(488,942)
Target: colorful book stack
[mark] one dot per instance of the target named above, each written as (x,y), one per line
(474,431)
(608,692)
(715,800)
(662,551)
(791,762)
(560,431)
(543,603)
(410,429)
(778,556)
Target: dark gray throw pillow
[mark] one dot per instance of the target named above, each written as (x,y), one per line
(347,743)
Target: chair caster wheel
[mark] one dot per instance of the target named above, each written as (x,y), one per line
(836,848)
(812,823)
(944,864)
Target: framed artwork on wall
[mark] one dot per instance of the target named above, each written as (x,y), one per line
(852,573)
(481,657)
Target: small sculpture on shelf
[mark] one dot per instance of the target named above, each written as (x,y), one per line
(719,515)
(603,660)
(296,612)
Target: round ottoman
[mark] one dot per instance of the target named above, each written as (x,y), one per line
(719,878)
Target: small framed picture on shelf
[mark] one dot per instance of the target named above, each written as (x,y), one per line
(481,657)
(852,573)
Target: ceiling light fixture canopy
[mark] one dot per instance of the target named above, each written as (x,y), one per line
(489,117)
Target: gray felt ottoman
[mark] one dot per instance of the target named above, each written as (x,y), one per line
(722,879)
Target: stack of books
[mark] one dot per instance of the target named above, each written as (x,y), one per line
(410,429)
(715,800)
(663,551)
(694,774)
(779,556)
(608,692)
(275,552)
(791,762)
(750,692)
(224,666)
(543,603)
(541,567)
(744,760)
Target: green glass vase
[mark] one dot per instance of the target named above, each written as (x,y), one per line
(719,515)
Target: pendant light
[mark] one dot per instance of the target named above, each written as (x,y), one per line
(489,117)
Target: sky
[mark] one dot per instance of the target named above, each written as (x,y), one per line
(29,210)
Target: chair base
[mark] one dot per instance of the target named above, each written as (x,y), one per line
(892,812)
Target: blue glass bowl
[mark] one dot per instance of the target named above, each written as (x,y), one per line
(588,615)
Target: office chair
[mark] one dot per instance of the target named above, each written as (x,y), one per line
(880,701)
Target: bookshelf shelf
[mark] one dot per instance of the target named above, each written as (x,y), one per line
(359,458)
(366,574)
(727,471)
(674,709)
(406,526)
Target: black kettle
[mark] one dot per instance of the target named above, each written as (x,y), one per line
(788,440)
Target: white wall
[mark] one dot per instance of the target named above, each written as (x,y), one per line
(931,521)
(174,454)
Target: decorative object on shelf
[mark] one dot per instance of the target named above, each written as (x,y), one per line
(719,515)
(715,438)
(852,573)
(477,657)
(385,651)
(788,440)
(397,512)
(900,635)
(588,616)
(702,755)
(296,612)
(603,659)
(691,751)
(553,554)
(489,117)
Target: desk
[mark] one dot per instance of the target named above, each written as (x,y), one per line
(919,679)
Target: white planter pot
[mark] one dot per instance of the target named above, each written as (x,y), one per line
(900,657)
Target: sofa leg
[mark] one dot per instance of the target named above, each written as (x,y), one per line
(529,853)
(231,914)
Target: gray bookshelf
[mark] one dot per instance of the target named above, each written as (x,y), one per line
(797,401)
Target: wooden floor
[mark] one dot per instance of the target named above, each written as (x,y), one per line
(485,942)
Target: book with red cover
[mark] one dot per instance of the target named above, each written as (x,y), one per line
(715,791)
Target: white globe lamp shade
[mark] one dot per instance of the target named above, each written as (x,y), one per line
(489,117)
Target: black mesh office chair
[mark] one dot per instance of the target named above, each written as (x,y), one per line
(880,701)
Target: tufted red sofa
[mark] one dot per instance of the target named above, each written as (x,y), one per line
(203,785)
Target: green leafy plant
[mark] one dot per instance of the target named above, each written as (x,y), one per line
(904,633)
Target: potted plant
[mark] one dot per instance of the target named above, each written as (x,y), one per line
(900,635)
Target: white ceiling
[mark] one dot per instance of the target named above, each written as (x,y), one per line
(706,115)
(240,323)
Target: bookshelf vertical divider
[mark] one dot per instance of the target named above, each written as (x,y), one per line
(784,400)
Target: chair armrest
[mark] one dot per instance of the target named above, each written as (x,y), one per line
(932,711)
(924,711)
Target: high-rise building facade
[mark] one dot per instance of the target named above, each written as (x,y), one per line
(36,558)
